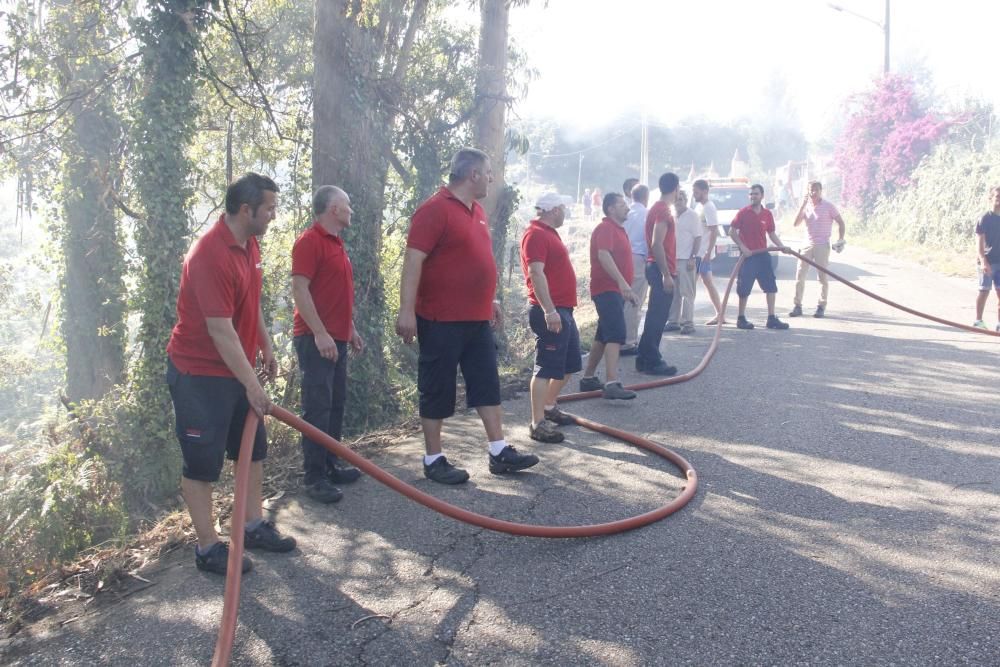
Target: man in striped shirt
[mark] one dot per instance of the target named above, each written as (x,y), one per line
(819,216)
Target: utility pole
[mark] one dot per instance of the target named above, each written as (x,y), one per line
(579,175)
(644,152)
(885,29)
(883,26)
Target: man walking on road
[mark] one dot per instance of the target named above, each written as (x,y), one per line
(709,234)
(635,227)
(750,229)
(819,216)
(446,301)
(551,284)
(661,266)
(323,289)
(686,261)
(610,288)
(210,367)
(988,236)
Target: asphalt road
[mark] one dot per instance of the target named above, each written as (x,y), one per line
(847,514)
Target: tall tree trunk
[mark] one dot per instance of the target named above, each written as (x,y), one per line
(491,95)
(93,292)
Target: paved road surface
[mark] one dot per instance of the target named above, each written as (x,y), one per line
(848,514)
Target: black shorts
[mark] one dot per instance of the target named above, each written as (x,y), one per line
(210,412)
(610,317)
(756,268)
(556,354)
(446,346)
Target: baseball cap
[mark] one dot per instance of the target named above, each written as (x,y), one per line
(549,201)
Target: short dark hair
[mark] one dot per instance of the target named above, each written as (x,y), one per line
(609,201)
(248,189)
(464,162)
(628,185)
(701,184)
(640,193)
(668,182)
(759,187)
(813,184)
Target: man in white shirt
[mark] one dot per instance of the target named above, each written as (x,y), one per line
(688,245)
(635,227)
(709,234)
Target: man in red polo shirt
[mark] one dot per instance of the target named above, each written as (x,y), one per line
(610,288)
(750,229)
(661,269)
(323,289)
(210,366)
(551,285)
(446,301)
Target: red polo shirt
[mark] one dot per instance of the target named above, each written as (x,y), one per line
(753,227)
(459,276)
(542,243)
(610,236)
(220,278)
(321,257)
(660,212)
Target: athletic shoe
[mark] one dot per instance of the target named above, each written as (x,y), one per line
(557,416)
(744,323)
(510,460)
(342,473)
(998,328)
(796,311)
(662,368)
(687,329)
(443,472)
(323,491)
(545,431)
(629,350)
(591,384)
(820,311)
(670,326)
(979,324)
(615,391)
(267,538)
(216,560)
(774,323)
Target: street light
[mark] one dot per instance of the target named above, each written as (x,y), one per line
(883,26)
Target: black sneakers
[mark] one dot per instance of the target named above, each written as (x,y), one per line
(629,350)
(557,416)
(342,473)
(267,538)
(774,323)
(615,391)
(323,491)
(216,560)
(743,323)
(591,384)
(510,460)
(443,472)
(796,311)
(820,311)
(659,368)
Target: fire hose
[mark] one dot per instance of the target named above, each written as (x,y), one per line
(227,630)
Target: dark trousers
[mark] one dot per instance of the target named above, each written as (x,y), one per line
(656,317)
(324,393)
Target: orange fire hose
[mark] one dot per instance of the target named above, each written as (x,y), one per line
(227,630)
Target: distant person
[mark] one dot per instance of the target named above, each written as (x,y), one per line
(213,349)
(596,201)
(627,189)
(750,230)
(587,204)
(709,217)
(688,246)
(988,233)
(610,288)
(819,216)
(551,284)
(635,227)
(446,292)
(323,290)
(661,267)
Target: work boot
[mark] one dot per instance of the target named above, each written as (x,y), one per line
(743,323)
(615,391)
(557,416)
(774,323)
(670,327)
(267,538)
(323,491)
(216,559)
(796,311)
(443,472)
(342,473)
(591,384)
(820,311)
(544,431)
(510,460)
(687,329)
(660,368)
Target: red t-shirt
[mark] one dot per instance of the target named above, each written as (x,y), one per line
(610,236)
(660,212)
(321,257)
(542,243)
(753,227)
(459,276)
(220,278)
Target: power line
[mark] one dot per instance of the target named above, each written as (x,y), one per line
(584,150)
